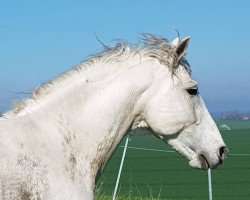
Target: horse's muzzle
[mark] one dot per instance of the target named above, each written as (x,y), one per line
(207,162)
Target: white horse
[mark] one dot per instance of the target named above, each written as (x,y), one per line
(56,143)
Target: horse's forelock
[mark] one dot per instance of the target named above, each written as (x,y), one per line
(160,48)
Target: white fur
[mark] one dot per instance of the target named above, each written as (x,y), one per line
(58,143)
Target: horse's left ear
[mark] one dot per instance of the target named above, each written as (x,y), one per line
(181,48)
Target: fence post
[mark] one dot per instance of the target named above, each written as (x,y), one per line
(120,169)
(210,184)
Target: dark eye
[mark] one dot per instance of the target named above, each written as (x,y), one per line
(192,91)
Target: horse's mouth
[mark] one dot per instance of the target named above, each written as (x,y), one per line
(199,162)
(206,165)
(196,160)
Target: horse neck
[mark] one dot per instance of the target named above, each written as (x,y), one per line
(116,106)
(97,115)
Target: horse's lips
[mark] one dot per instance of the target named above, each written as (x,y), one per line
(205,164)
(199,162)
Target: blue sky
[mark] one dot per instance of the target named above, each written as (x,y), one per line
(41,39)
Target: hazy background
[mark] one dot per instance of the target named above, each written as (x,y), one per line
(41,39)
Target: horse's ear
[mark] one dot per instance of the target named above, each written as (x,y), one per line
(181,48)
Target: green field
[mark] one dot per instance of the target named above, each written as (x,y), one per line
(162,175)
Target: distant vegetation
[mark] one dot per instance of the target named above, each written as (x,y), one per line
(234,115)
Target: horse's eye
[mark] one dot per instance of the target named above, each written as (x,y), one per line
(192,91)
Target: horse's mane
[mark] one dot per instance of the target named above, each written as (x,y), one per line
(150,46)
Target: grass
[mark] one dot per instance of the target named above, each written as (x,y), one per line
(160,175)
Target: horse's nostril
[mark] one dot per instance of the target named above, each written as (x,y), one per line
(223,152)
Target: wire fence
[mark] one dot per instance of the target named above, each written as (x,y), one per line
(210,197)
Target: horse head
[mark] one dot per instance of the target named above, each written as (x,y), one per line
(177,114)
